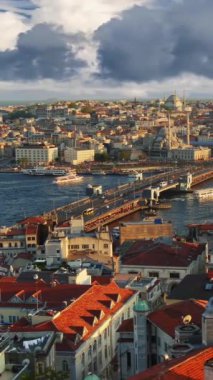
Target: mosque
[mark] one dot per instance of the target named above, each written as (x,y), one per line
(174,103)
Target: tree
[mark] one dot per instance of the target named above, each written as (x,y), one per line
(49,374)
(101,157)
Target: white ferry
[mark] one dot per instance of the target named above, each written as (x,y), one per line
(204,193)
(137,176)
(72,177)
(45,171)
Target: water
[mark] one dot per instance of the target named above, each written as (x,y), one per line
(22,196)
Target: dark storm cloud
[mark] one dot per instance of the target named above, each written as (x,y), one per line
(171,38)
(42,52)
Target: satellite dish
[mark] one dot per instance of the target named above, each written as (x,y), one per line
(187,319)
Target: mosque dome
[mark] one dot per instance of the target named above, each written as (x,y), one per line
(173,102)
(92,376)
(32,129)
(57,129)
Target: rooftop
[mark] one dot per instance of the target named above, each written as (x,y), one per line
(190,367)
(169,317)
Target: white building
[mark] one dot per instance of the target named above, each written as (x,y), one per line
(170,263)
(89,325)
(190,154)
(76,156)
(36,154)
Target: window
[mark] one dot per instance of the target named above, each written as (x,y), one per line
(40,368)
(165,347)
(65,366)
(128,359)
(99,340)
(128,313)
(95,366)
(83,358)
(90,351)
(105,333)
(158,340)
(153,274)
(106,245)
(100,358)
(95,346)
(105,352)
(74,246)
(57,250)
(85,246)
(174,275)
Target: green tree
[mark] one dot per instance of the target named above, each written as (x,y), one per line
(101,157)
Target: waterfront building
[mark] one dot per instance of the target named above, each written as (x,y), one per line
(190,154)
(36,154)
(76,156)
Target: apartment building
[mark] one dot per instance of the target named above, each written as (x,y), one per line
(36,154)
(76,156)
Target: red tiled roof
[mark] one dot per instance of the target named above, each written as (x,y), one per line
(15,232)
(203,227)
(101,280)
(169,317)
(126,326)
(190,367)
(31,229)
(32,220)
(77,317)
(53,296)
(149,253)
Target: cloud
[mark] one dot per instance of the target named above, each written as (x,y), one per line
(80,16)
(156,43)
(41,52)
(11,25)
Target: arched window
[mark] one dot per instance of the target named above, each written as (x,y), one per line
(65,366)
(94,345)
(83,358)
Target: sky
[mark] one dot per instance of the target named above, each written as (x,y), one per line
(105,49)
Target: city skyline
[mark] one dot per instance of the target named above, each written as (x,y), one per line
(105,49)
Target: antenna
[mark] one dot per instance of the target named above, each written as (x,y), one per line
(187,319)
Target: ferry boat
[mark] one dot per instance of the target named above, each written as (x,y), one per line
(99,172)
(204,193)
(45,171)
(137,176)
(71,177)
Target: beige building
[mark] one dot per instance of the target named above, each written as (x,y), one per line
(36,154)
(76,156)
(70,239)
(190,154)
(144,230)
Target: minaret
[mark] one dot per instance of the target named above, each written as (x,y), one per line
(141,310)
(169,132)
(188,130)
